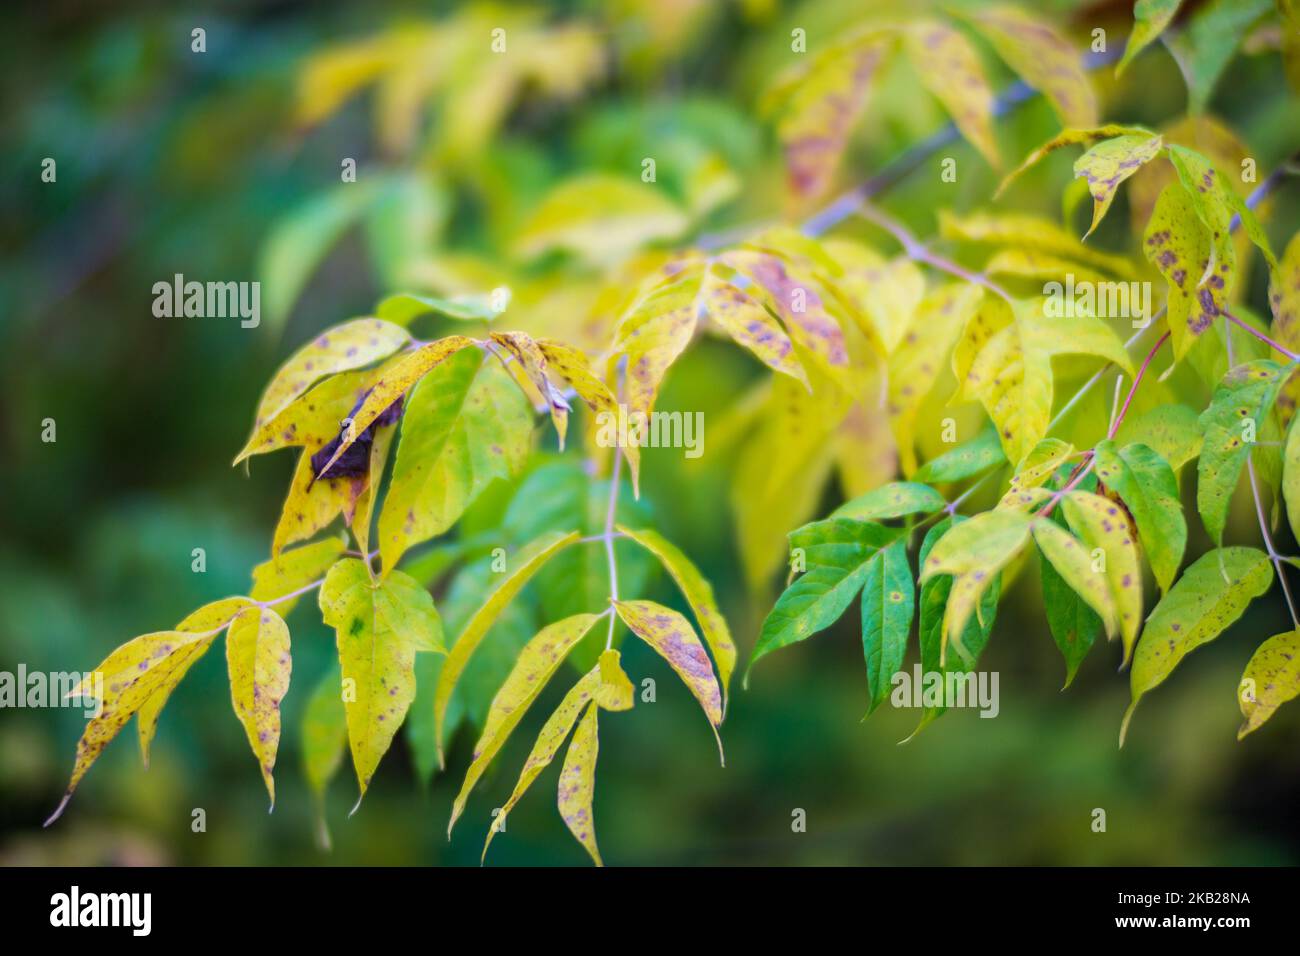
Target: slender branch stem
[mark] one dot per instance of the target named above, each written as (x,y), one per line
(1261,336)
(1268,541)
(1137,380)
(609,538)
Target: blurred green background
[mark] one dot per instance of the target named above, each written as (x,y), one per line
(213,165)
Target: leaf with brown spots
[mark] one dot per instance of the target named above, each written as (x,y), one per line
(673,639)
(699,595)
(915,365)
(466,425)
(1237,412)
(578,783)
(379,628)
(522,567)
(1071,561)
(950,69)
(819,103)
(1038,466)
(534,667)
(1044,59)
(749,324)
(533,362)
(257,656)
(1069,137)
(1178,245)
(1101,524)
(390,386)
(1149,489)
(1271,678)
(352,345)
(312,503)
(549,740)
(311,420)
(143,669)
(1212,593)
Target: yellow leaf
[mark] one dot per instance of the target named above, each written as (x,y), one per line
(1067,137)
(345,347)
(1100,524)
(1111,162)
(673,638)
(257,655)
(578,783)
(523,566)
(743,318)
(548,743)
(534,667)
(311,420)
(1029,232)
(365,506)
(950,69)
(533,361)
(1178,245)
(698,593)
(615,691)
(1043,58)
(1272,678)
(601,218)
(312,504)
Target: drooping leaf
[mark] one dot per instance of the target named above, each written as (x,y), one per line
(1043,58)
(1236,413)
(915,364)
(131,675)
(745,319)
(1102,525)
(1272,678)
(1073,565)
(532,360)
(1212,593)
(1291,479)
(615,691)
(313,419)
(1179,246)
(537,663)
(973,552)
(257,655)
(207,620)
(1109,163)
(549,740)
(1149,489)
(673,639)
(1150,17)
(699,595)
(379,625)
(578,783)
(1070,137)
(522,567)
(888,604)
(894,500)
(950,69)
(465,426)
(835,553)
(933,602)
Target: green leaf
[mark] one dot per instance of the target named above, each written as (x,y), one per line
(1150,17)
(1272,677)
(257,655)
(1074,625)
(933,603)
(894,500)
(521,568)
(888,604)
(1171,431)
(699,594)
(536,664)
(1206,45)
(465,426)
(834,553)
(1038,466)
(1240,405)
(966,460)
(1102,525)
(379,628)
(405,307)
(1203,603)
(324,738)
(1149,489)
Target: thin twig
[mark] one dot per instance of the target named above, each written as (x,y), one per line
(1268,541)
(1137,380)
(1261,336)
(609,539)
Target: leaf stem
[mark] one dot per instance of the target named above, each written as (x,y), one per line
(1137,380)
(1261,336)
(609,539)
(1268,540)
